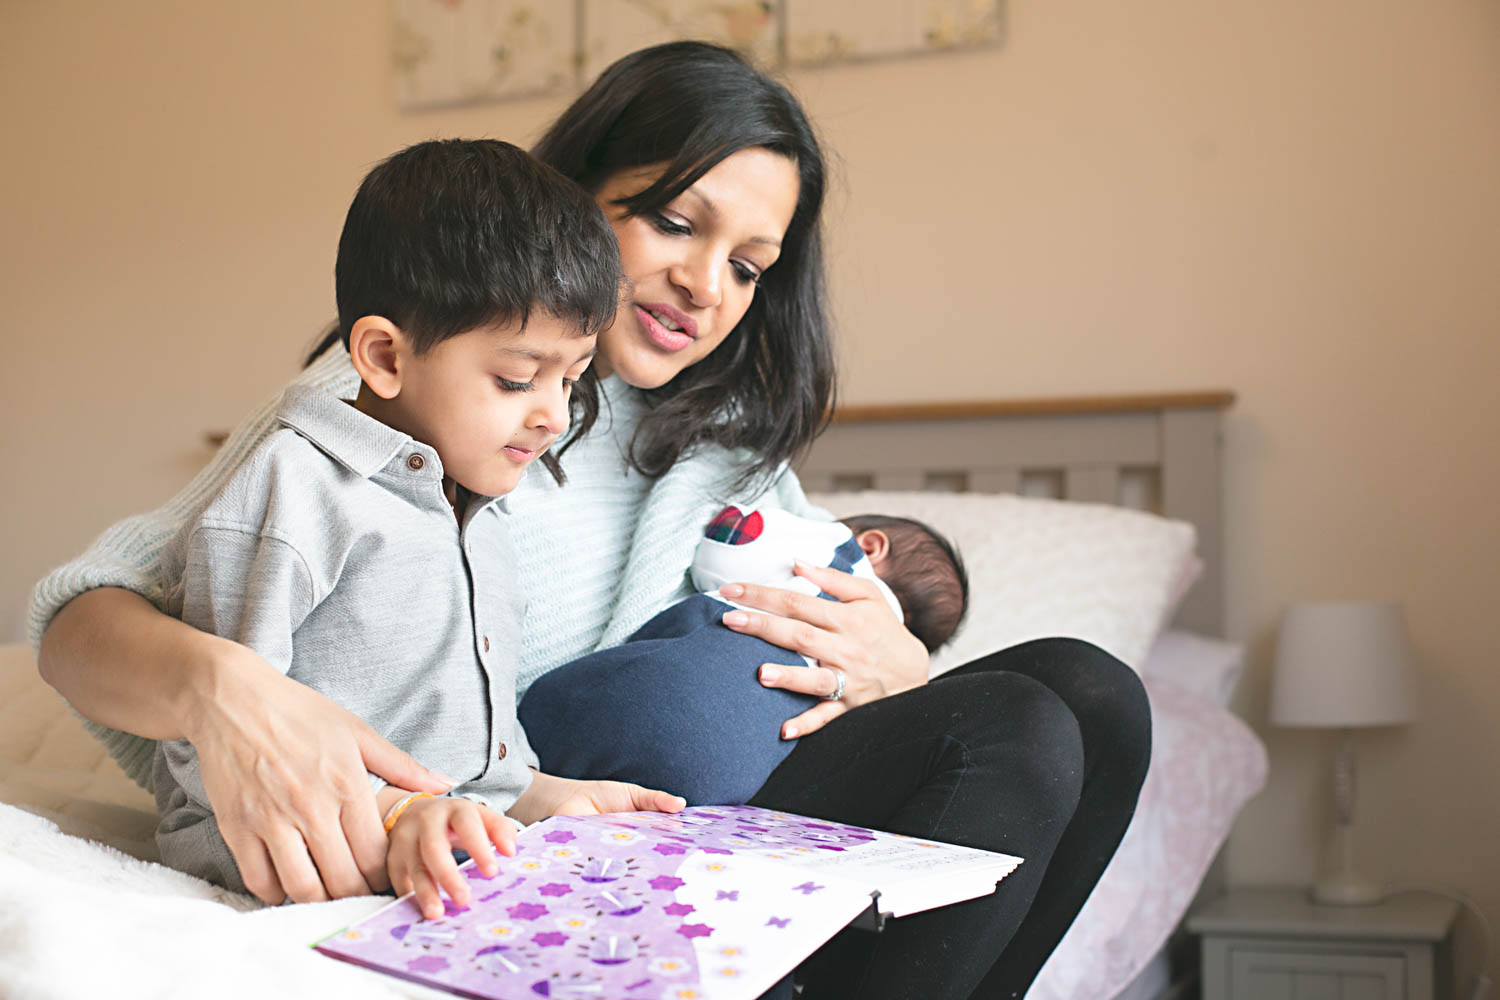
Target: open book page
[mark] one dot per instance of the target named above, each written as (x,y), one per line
(713,902)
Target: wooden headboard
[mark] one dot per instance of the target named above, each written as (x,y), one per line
(1159,453)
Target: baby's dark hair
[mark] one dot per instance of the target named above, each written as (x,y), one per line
(925,573)
(451,235)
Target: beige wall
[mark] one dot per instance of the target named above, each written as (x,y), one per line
(1299,201)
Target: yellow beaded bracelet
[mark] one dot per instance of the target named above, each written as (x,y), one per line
(400,807)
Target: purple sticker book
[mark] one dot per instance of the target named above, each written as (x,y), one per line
(712,903)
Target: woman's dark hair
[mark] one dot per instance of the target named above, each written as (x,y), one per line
(769,386)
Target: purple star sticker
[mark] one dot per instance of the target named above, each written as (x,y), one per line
(527,911)
(452,909)
(807,888)
(559,837)
(555,889)
(666,882)
(549,939)
(678,909)
(716,850)
(695,930)
(669,849)
(733,895)
(427,963)
(778,921)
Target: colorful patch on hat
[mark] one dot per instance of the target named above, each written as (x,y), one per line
(733,526)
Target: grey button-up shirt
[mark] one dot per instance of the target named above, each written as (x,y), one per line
(334,554)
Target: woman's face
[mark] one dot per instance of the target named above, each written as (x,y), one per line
(693,264)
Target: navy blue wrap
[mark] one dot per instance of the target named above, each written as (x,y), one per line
(675,707)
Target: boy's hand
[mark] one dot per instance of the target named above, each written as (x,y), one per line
(420,855)
(550,795)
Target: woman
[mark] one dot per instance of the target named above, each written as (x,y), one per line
(716,374)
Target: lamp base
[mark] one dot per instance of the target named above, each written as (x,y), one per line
(1346,888)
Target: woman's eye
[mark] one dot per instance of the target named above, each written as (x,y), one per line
(510,386)
(669,225)
(746,274)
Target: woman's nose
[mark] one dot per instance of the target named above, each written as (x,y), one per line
(701,278)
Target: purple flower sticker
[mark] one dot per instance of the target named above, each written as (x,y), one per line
(778,921)
(549,939)
(669,849)
(695,930)
(733,895)
(716,850)
(807,888)
(452,909)
(559,836)
(527,911)
(427,963)
(555,889)
(666,882)
(678,909)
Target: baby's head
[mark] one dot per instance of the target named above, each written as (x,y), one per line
(472,281)
(923,570)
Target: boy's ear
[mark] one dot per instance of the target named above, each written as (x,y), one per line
(876,544)
(379,351)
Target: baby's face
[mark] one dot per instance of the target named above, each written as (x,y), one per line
(492,400)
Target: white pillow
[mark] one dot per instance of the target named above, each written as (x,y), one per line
(1040,568)
(1208,667)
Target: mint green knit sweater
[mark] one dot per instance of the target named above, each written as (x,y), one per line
(598,557)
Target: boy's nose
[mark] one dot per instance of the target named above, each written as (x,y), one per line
(553,411)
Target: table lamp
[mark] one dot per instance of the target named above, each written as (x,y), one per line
(1343,665)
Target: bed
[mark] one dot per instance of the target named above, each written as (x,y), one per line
(1091,517)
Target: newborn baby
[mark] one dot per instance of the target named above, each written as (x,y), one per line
(678,706)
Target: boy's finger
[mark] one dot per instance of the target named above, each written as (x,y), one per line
(501,831)
(469,833)
(437,859)
(428,900)
(399,867)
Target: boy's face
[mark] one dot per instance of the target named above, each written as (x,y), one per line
(492,400)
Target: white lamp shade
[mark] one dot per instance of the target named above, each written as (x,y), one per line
(1342,664)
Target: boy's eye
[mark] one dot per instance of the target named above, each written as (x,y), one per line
(510,386)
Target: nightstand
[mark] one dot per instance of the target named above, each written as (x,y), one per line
(1269,944)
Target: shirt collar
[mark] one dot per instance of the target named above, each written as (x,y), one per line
(355,440)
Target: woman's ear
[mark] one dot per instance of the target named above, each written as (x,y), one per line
(876,544)
(379,351)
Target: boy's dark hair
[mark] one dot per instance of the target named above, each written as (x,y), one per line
(927,576)
(454,234)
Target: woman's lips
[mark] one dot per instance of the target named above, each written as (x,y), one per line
(667,340)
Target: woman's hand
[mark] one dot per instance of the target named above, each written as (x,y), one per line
(420,856)
(857,635)
(549,795)
(285,772)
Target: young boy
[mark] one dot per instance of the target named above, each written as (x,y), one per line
(679,706)
(362,548)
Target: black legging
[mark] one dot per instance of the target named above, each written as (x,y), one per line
(1038,750)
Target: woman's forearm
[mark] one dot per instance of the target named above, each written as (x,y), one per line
(123,664)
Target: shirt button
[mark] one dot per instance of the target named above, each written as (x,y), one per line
(415,462)
(500,753)
(487,649)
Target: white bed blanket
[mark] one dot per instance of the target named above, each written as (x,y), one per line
(81,918)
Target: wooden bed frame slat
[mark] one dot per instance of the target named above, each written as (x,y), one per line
(1164,447)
